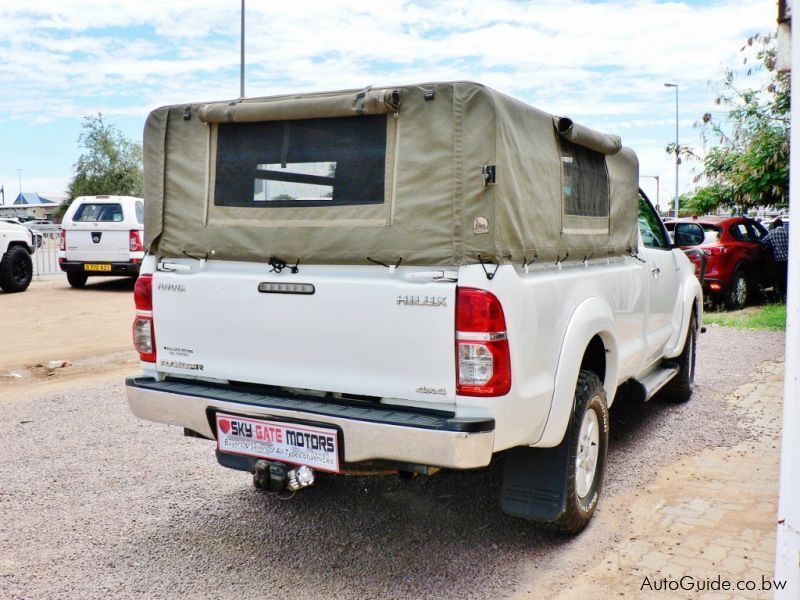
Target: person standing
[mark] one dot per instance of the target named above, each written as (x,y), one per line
(778,241)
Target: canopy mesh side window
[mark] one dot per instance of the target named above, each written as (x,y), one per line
(309,162)
(586,190)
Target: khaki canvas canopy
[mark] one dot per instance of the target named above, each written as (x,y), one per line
(430,174)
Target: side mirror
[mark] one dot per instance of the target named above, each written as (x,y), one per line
(688,234)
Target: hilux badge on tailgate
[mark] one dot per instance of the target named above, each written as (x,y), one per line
(406,300)
(430,390)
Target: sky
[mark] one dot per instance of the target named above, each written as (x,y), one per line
(601,63)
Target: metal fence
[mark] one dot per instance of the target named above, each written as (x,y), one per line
(45,259)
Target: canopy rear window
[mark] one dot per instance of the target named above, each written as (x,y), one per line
(309,162)
(95,213)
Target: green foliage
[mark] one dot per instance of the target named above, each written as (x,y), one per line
(706,200)
(749,163)
(110,163)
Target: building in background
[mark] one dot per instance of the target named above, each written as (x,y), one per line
(30,205)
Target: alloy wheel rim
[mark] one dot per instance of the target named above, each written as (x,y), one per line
(20,270)
(586,456)
(741,291)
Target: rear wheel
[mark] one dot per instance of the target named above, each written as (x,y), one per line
(77,279)
(739,291)
(16,270)
(588,446)
(558,488)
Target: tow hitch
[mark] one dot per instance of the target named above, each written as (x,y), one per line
(276,477)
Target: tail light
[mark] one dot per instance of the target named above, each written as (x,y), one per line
(144,335)
(483,361)
(63,243)
(135,241)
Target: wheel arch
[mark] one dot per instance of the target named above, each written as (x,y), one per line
(590,342)
(20,244)
(692,300)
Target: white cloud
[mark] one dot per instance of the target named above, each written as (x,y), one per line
(601,62)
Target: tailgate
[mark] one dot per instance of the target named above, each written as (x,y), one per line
(95,242)
(357,330)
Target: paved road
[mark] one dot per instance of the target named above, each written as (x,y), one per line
(94,503)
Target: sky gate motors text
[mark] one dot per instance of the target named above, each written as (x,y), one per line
(271,433)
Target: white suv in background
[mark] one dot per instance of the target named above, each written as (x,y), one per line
(16,248)
(101,235)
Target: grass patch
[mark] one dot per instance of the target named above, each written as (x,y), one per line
(771,317)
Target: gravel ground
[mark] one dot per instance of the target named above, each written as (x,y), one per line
(95,503)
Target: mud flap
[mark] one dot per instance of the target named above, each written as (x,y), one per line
(535,482)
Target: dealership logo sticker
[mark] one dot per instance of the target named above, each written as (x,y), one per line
(314,447)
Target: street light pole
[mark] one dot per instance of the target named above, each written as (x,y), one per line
(658,189)
(241,66)
(19,174)
(677,146)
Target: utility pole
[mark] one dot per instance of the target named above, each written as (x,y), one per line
(241,67)
(19,174)
(677,145)
(658,189)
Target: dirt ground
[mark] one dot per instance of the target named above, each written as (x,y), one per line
(89,327)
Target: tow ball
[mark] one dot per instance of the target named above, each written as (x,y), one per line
(277,477)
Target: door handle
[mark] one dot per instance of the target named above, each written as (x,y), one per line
(655,272)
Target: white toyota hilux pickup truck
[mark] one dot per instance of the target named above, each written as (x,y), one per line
(405,279)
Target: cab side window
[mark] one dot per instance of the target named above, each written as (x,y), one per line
(650,226)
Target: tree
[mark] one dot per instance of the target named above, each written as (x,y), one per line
(706,199)
(110,164)
(749,164)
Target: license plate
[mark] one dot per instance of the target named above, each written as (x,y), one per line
(90,267)
(315,447)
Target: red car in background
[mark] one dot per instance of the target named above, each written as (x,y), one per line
(735,260)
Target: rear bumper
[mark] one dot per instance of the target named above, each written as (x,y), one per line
(117,268)
(370,431)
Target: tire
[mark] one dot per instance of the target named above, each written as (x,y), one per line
(680,388)
(587,454)
(738,294)
(16,270)
(77,279)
